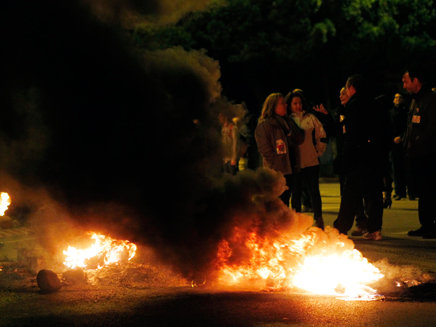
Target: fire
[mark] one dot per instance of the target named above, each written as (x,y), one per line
(320,262)
(104,251)
(5,202)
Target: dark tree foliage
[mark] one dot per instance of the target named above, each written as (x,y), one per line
(268,46)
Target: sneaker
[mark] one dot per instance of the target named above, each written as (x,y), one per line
(419,232)
(359,231)
(375,236)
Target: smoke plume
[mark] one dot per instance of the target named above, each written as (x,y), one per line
(121,141)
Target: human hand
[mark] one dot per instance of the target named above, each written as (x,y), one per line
(320,109)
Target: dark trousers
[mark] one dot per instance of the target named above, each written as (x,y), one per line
(364,181)
(310,177)
(286,195)
(399,169)
(425,177)
(361,218)
(229,168)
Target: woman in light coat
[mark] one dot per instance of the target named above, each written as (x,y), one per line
(310,150)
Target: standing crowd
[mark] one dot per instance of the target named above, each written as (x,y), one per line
(380,148)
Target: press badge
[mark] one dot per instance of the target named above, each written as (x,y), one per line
(416,119)
(281,148)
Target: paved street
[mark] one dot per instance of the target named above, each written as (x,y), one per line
(118,305)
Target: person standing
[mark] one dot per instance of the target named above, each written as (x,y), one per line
(363,156)
(310,150)
(338,132)
(230,142)
(399,163)
(277,136)
(420,146)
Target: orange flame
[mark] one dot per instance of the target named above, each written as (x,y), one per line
(321,262)
(4,203)
(104,251)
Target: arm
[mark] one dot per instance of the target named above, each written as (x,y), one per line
(319,135)
(235,145)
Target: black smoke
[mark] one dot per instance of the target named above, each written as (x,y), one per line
(122,141)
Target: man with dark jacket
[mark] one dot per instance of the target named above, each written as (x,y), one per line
(365,149)
(420,144)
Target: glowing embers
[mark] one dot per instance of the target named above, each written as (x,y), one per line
(104,251)
(4,202)
(319,262)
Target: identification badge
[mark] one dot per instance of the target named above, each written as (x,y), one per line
(281,148)
(416,119)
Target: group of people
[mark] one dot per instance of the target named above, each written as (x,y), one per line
(291,139)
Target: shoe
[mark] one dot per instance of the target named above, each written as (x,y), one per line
(387,202)
(412,198)
(419,232)
(398,197)
(359,231)
(374,236)
(430,236)
(319,223)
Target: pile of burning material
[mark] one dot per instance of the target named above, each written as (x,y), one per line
(106,262)
(322,262)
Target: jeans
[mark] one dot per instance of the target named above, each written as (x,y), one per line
(309,176)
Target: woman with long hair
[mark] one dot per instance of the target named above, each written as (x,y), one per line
(277,137)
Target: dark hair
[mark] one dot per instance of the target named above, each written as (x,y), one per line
(417,71)
(358,82)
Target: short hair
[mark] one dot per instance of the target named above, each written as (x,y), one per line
(417,71)
(269,106)
(358,82)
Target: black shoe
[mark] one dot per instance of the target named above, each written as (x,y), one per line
(387,202)
(412,198)
(398,197)
(418,232)
(430,236)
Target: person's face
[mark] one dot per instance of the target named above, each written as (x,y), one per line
(296,105)
(222,119)
(409,84)
(343,96)
(398,99)
(349,90)
(281,107)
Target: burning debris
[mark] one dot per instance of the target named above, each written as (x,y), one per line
(104,251)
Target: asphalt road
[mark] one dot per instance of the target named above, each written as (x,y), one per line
(130,305)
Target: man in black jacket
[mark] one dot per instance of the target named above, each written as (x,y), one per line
(420,144)
(366,145)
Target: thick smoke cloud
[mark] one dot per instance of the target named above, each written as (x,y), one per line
(120,141)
